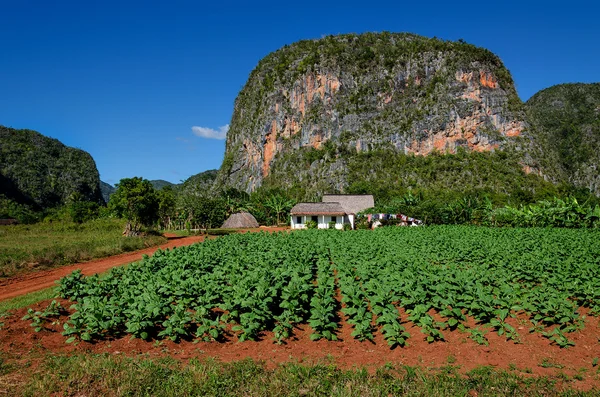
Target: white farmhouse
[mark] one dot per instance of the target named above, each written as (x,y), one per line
(338,208)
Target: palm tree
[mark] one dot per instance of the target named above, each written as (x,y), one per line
(279,205)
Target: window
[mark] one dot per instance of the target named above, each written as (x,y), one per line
(333,219)
(315,218)
(298,219)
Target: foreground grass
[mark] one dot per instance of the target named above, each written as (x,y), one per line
(46,245)
(110,375)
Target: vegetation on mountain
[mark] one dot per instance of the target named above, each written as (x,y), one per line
(386,173)
(159,184)
(40,172)
(565,121)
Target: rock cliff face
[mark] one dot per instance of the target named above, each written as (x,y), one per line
(358,93)
(565,125)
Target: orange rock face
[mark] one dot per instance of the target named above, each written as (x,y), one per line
(447,141)
(487,79)
(289,117)
(305,91)
(316,141)
(324,86)
(290,127)
(515,129)
(269,150)
(464,77)
(465,131)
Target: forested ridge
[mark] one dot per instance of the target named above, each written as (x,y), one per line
(41,172)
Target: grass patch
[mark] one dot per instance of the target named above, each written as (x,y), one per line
(110,375)
(221,232)
(181,233)
(25,248)
(27,300)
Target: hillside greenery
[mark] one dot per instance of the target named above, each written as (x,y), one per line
(565,122)
(160,183)
(41,172)
(389,174)
(107,190)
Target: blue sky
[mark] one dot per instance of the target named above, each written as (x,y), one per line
(127,81)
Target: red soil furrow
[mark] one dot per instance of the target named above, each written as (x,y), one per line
(533,356)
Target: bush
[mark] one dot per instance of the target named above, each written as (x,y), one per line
(347,226)
(311,224)
(363,223)
(331,225)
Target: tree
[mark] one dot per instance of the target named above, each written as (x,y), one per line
(279,205)
(135,200)
(210,213)
(166,206)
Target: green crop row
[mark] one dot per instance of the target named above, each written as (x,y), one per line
(378,281)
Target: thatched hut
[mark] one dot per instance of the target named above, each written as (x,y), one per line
(241,220)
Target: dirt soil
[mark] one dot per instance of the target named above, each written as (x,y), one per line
(534,355)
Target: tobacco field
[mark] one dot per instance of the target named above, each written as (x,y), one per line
(437,278)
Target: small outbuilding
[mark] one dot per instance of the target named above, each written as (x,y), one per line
(240,220)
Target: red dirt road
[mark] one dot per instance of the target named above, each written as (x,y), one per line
(24,284)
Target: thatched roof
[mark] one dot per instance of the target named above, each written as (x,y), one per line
(239,221)
(352,203)
(318,209)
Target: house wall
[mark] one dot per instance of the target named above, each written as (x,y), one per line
(295,224)
(322,223)
(351,220)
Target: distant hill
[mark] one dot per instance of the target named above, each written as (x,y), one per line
(565,121)
(159,184)
(41,172)
(107,190)
(201,183)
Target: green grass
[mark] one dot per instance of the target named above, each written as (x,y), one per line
(113,375)
(46,245)
(27,300)
(221,232)
(180,233)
